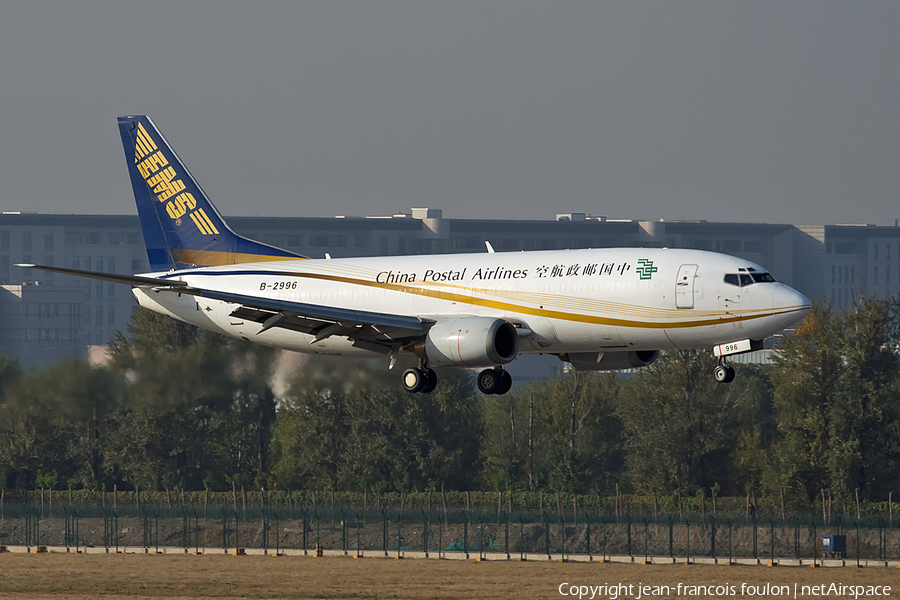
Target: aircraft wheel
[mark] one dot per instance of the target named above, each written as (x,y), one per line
(430,381)
(505,383)
(489,381)
(413,380)
(730,377)
(723,374)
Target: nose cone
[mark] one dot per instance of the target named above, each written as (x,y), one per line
(790,305)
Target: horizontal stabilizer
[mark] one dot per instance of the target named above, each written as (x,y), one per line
(133,280)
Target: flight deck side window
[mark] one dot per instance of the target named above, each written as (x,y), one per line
(732,279)
(746,280)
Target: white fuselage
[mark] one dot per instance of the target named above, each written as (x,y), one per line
(604,300)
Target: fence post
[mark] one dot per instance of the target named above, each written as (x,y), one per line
(605,537)
(772,541)
(425,531)
(562,536)
(105,524)
(185,525)
(730,545)
(399,532)
(264,521)
(277,532)
(344,531)
(466,535)
(521,537)
(481,541)
(156,527)
(358,527)
(546,523)
(441,522)
(687,522)
(628,536)
(319,531)
(815,544)
(384,522)
(646,540)
(755,520)
(305,514)
(671,536)
(587,534)
(225,521)
(237,532)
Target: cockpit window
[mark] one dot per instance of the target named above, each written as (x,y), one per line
(744,279)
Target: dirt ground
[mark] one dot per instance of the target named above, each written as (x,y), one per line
(175,577)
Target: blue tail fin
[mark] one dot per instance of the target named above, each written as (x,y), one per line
(181,226)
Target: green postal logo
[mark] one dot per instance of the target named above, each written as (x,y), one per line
(645,268)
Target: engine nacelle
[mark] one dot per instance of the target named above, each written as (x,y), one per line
(471,342)
(611,361)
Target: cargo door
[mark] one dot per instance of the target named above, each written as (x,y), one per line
(684,286)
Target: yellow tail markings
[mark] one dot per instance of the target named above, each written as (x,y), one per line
(200,224)
(144,144)
(209,223)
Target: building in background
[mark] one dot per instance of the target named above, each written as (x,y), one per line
(45,317)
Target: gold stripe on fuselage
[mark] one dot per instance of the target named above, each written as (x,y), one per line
(711,317)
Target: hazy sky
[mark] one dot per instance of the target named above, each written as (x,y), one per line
(777,111)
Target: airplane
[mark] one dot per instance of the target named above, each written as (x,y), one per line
(598,309)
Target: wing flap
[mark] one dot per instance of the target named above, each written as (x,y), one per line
(329,314)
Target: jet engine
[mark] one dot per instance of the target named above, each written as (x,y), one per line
(610,361)
(470,342)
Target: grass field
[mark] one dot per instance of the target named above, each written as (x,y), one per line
(175,577)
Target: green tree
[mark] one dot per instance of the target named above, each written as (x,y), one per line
(149,333)
(680,425)
(343,437)
(561,434)
(836,390)
(58,419)
(864,415)
(10,372)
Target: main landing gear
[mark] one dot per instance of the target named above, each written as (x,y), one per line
(723,373)
(494,381)
(421,380)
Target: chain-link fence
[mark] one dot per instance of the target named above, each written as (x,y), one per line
(388,531)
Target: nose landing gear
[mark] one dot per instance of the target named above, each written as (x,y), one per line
(494,381)
(723,373)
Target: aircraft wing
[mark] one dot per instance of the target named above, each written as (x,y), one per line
(374,331)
